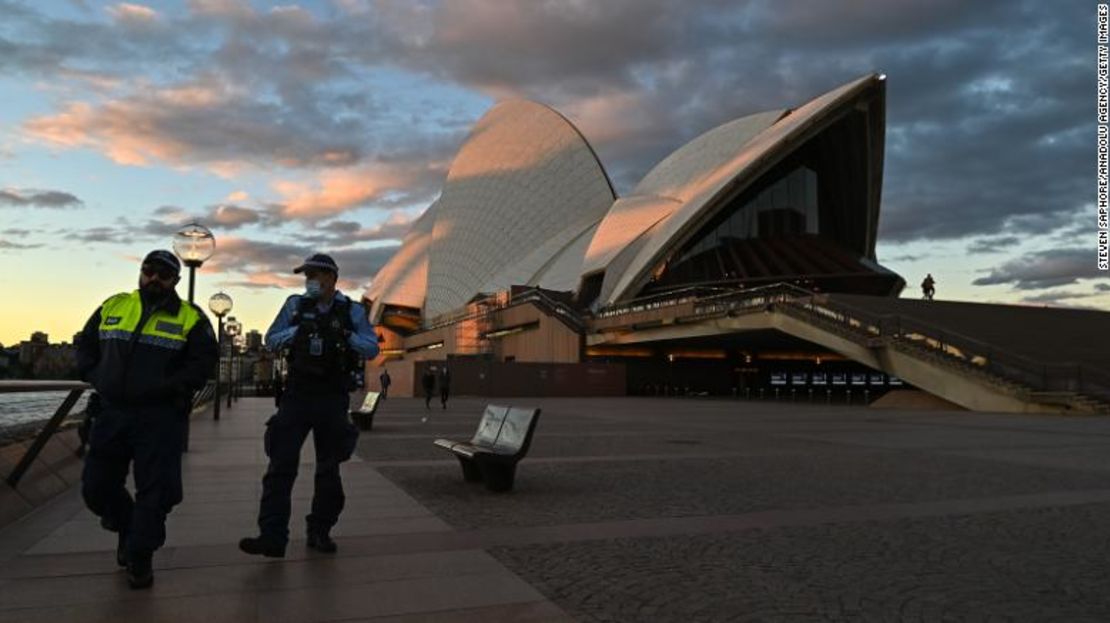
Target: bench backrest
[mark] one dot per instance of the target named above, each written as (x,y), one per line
(490,426)
(516,433)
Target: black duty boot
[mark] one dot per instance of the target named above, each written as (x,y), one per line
(262,546)
(139,571)
(321,542)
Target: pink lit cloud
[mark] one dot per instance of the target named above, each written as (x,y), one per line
(132,14)
(336,191)
(207,122)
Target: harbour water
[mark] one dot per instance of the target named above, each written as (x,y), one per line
(22,410)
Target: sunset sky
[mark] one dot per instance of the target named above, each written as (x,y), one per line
(329,126)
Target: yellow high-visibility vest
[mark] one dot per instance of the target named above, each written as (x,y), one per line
(120,315)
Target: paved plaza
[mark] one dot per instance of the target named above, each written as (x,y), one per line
(626,509)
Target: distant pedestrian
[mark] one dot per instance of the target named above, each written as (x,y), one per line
(428,382)
(928,287)
(444,386)
(386,382)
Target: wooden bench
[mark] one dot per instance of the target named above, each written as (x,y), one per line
(501,441)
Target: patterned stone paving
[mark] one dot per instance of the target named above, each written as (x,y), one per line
(626,510)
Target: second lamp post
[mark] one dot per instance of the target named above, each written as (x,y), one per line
(233,327)
(220,304)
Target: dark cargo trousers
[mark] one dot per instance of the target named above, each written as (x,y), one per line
(334,438)
(151,438)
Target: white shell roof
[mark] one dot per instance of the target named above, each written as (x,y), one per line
(688,166)
(528,270)
(404,278)
(524,176)
(627,219)
(708,177)
(562,272)
(663,191)
(526,202)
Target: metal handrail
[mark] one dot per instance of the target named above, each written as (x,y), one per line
(695,294)
(866,326)
(534,295)
(18,386)
(76,388)
(555,306)
(1077,377)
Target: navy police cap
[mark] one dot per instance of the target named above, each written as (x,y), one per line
(163,257)
(319,260)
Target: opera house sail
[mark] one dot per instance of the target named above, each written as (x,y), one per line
(747,254)
(787,195)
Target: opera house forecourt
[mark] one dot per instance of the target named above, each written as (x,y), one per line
(732,268)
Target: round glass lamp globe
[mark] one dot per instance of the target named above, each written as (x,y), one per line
(194,244)
(220,304)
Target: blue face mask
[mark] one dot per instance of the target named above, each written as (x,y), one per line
(312,289)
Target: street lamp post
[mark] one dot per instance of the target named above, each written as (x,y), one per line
(194,244)
(232,329)
(220,304)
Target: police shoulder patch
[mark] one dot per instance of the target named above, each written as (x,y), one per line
(111,320)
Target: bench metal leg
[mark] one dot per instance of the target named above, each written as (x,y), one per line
(470,470)
(499,476)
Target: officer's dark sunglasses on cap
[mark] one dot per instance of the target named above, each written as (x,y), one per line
(165,273)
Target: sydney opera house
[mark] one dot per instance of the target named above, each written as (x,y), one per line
(529,257)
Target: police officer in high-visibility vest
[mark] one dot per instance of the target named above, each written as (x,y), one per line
(145,352)
(327,338)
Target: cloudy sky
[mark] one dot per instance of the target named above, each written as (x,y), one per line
(330,126)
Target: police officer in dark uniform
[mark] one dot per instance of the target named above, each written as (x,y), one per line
(145,352)
(327,337)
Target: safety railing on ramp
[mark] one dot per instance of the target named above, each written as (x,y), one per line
(906,334)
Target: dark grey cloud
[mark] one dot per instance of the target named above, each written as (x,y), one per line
(989,119)
(532,45)
(1057,298)
(341,234)
(358,266)
(270,264)
(124,230)
(154,228)
(7,245)
(1102,287)
(903,258)
(102,233)
(31,198)
(230,216)
(340,227)
(993,245)
(988,102)
(1045,269)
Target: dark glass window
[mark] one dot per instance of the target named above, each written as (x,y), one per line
(787,207)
